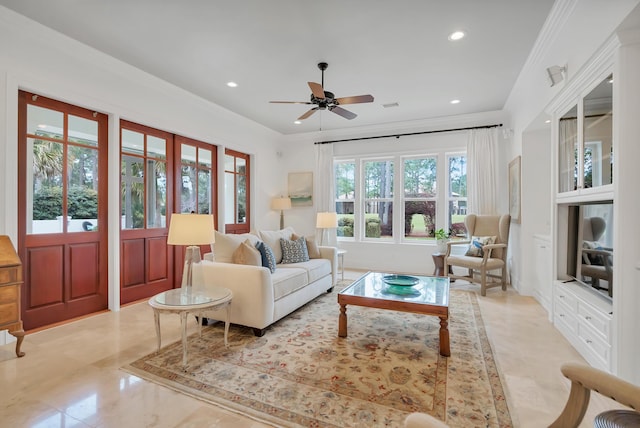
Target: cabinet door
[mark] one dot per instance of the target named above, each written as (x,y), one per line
(543,271)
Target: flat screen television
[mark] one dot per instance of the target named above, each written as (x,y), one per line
(590,245)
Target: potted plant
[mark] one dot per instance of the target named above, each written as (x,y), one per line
(442,238)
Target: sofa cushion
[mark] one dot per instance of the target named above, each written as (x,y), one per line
(268,259)
(477,242)
(226,244)
(315,268)
(247,254)
(294,251)
(289,280)
(272,239)
(312,246)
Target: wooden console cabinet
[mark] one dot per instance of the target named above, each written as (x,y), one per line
(10,283)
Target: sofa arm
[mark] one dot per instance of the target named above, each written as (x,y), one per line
(331,254)
(253,296)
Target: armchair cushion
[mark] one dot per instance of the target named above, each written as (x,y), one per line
(477,244)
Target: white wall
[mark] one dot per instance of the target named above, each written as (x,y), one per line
(40,60)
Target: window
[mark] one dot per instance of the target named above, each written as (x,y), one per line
(429,199)
(345,196)
(197,178)
(237,191)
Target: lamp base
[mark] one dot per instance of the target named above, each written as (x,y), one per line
(281,219)
(191,255)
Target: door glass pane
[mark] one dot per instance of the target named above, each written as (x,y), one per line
(132,142)
(82,199)
(45,122)
(598,135)
(241,165)
(188,154)
(568,151)
(156,147)
(83,131)
(204,192)
(45,200)
(188,190)
(156,194)
(242,199)
(204,158)
(132,192)
(378,219)
(229,197)
(229,162)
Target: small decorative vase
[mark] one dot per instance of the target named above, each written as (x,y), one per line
(441,245)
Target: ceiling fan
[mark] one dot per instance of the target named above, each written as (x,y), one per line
(325,100)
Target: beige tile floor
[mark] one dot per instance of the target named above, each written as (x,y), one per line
(70,376)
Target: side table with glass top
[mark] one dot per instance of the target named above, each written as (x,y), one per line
(183,301)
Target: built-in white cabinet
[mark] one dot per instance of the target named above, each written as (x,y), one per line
(543,274)
(585,320)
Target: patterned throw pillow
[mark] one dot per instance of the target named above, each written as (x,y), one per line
(312,246)
(294,251)
(477,242)
(268,258)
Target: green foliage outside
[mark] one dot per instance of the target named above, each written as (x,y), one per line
(82,203)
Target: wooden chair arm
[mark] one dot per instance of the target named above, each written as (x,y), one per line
(585,379)
(486,250)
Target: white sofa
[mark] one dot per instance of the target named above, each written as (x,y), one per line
(260,297)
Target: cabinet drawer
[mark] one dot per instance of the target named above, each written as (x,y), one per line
(8,313)
(8,275)
(594,344)
(596,320)
(563,315)
(9,293)
(568,299)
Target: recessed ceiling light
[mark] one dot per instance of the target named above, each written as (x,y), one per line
(455,101)
(547,121)
(456,35)
(232,84)
(297,122)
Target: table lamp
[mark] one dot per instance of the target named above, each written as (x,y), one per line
(191,230)
(281,204)
(326,220)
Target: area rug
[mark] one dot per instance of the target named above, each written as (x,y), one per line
(301,374)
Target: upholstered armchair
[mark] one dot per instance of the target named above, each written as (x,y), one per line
(584,379)
(597,261)
(486,257)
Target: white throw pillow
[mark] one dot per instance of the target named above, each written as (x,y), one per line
(227,244)
(272,239)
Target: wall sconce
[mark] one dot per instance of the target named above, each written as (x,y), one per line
(556,74)
(281,204)
(326,220)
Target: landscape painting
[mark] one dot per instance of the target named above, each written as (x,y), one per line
(301,189)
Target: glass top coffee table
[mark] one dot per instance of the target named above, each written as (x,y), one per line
(428,295)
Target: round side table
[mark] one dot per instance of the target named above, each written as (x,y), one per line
(341,254)
(182,301)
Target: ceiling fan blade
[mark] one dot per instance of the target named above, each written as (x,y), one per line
(357,99)
(317,90)
(290,102)
(308,113)
(344,113)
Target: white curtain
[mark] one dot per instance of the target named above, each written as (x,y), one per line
(325,199)
(482,149)
(568,144)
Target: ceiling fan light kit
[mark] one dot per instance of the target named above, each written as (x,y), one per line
(326,100)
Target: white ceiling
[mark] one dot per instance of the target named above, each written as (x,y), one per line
(397,51)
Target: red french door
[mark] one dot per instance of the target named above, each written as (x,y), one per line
(62,210)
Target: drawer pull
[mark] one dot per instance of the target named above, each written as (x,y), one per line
(561,296)
(561,315)
(588,318)
(589,341)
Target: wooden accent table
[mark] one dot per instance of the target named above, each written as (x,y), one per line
(429,296)
(438,261)
(183,301)
(10,282)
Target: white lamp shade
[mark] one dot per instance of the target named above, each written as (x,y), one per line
(327,220)
(191,229)
(281,203)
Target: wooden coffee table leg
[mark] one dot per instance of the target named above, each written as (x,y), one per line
(342,321)
(445,351)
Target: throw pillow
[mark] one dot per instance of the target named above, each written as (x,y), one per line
(226,244)
(268,259)
(477,242)
(272,239)
(247,254)
(294,251)
(312,246)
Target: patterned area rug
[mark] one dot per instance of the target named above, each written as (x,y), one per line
(301,374)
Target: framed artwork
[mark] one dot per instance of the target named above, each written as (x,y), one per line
(515,188)
(301,189)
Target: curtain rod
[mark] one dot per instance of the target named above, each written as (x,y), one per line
(409,133)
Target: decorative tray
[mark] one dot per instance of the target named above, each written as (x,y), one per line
(401,280)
